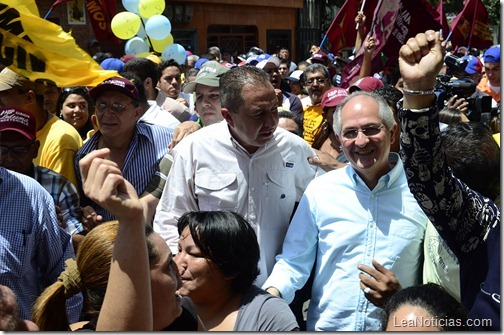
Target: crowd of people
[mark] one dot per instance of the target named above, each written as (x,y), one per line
(250,193)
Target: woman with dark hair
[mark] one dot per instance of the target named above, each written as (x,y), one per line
(75,107)
(217,260)
(427,307)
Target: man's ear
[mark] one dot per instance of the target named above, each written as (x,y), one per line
(138,112)
(393,133)
(94,121)
(227,116)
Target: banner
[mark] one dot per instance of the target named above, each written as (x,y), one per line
(100,16)
(40,50)
(342,33)
(394,22)
(441,18)
(470,28)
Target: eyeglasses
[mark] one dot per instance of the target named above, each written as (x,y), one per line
(17,150)
(351,134)
(319,81)
(116,107)
(76,90)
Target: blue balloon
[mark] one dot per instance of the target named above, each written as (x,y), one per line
(176,52)
(131,5)
(158,27)
(135,46)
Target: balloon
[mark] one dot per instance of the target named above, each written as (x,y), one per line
(174,51)
(160,45)
(125,25)
(131,5)
(148,8)
(158,27)
(135,46)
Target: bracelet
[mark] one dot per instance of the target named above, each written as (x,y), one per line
(418,92)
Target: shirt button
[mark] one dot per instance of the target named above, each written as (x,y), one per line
(252,189)
(372,196)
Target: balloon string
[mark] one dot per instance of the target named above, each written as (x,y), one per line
(151,46)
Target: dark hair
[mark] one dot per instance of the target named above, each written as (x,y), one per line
(473,156)
(79,90)
(233,81)
(168,63)
(391,94)
(299,122)
(229,241)
(143,68)
(317,67)
(450,115)
(137,81)
(433,298)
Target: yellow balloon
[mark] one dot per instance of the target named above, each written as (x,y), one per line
(142,55)
(148,8)
(125,25)
(160,45)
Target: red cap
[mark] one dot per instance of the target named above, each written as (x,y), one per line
(367,84)
(118,84)
(18,120)
(333,97)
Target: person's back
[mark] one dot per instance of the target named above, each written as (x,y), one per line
(35,247)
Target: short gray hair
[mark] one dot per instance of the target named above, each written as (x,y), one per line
(384,111)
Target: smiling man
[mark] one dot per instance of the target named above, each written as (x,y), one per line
(245,164)
(362,214)
(134,147)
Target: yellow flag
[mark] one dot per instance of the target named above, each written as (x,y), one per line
(40,50)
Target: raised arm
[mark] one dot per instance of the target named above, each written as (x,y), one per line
(127,304)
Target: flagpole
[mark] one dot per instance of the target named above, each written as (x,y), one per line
(323,40)
(473,23)
(361,9)
(48,12)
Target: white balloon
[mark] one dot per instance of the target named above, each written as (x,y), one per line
(131,5)
(174,51)
(158,27)
(135,46)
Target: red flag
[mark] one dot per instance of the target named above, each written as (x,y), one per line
(470,27)
(441,18)
(58,2)
(100,16)
(394,21)
(342,32)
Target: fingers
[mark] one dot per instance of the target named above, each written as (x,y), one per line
(85,162)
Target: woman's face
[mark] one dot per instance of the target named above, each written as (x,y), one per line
(165,281)
(75,110)
(200,277)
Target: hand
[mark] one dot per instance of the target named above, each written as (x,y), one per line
(103,183)
(59,215)
(182,130)
(90,218)
(182,101)
(369,45)
(381,282)
(325,161)
(279,95)
(420,60)
(360,19)
(460,104)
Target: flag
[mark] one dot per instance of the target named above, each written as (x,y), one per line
(470,28)
(100,14)
(40,50)
(342,33)
(58,2)
(394,22)
(441,18)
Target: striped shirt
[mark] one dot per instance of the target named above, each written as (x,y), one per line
(32,245)
(148,145)
(65,196)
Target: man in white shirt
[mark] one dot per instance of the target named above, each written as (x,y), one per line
(244,164)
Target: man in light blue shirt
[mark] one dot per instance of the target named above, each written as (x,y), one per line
(350,217)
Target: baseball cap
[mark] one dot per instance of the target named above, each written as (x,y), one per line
(10,79)
(118,84)
(473,65)
(295,76)
(19,120)
(319,57)
(333,97)
(208,75)
(367,84)
(113,64)
(492,55)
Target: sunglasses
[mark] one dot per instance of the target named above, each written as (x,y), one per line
(76,90)
(351,134)
(17,150)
